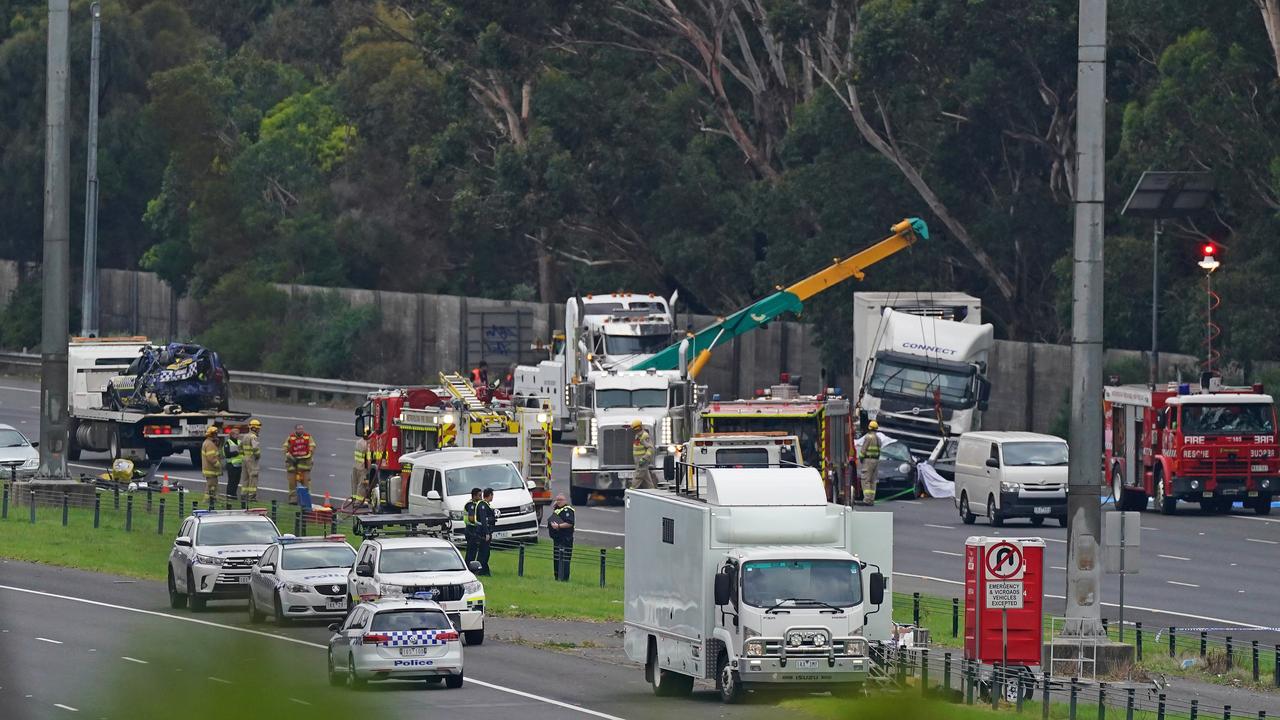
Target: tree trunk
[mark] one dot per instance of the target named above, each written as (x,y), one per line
(546,269)
(1271,19)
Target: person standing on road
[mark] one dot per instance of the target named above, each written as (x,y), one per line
(642,453)
(869,459)
(211,463)
(360,470)
(560,528)
(472,525)
(251,445)
(233,451)
(486,520)
(299,451)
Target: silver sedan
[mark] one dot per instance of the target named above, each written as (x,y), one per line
(395,639)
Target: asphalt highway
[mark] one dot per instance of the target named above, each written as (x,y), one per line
(1197,570)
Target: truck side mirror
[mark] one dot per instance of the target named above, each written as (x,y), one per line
(1162,419)
(984,393)
(724,588)
(877,588)
(669,468)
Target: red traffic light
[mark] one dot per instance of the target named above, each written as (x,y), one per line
(1210,249)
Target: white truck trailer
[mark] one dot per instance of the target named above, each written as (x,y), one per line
(760,582)
(921,362)
(124,433)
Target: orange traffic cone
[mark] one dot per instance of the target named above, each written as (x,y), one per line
(326,499)
(165,487)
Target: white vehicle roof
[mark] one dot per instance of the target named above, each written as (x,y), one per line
(1220,399)
(410,542)
(764,486)
(450,458)
(1002,436)
(633,380)
(222,516)
(397,603)
(790,552)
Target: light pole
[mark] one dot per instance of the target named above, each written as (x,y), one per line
(89,298)
(1209,264)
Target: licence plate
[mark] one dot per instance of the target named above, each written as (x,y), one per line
(1231,491)
(242,579)
(1042,510)
(336,603)
(195,429)
(410,651)
(806,664)
(502,535)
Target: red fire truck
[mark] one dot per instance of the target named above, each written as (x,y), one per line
(822,423)
(393,431)
(1214,447)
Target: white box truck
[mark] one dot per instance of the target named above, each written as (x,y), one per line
(760,582)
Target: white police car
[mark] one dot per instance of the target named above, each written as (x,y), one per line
(404,566)
(213,553)
(301,577)
(395,639)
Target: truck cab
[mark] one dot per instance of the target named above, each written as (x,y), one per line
(730,449)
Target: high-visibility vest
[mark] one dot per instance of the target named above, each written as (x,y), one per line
(871,448)
(641,447)
(232,451)
(299,447)
(362,452)
(470,510)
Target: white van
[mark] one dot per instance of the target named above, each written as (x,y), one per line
(441,482)
(1006,475)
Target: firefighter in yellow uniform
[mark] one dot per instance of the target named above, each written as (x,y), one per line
(360,470)
(642,453)
(869,459)
(211,462)
(251,445)
(299,451)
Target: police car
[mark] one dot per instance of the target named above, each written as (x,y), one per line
(409,638)
(213,553)
(301,577)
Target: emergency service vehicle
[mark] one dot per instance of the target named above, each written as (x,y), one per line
(400,420)
(1212,445)
(301,577)
(396,639)
(440,481)
(822,423)
(400,563)
(729,449)
(213,554)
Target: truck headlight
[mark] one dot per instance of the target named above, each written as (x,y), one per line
(456,515)
(754,648)
(580,450)
(1195,484)
(296,588)
(855,647)
(593,430)
(542,418)
(666,430)
(472,588)
(31,464)
(795,639)
(208,559)
(390,590)
(1266,483)
(1006,486)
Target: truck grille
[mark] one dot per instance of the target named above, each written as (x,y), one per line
(923,409)
(445,593)
(920,434)
(615,447)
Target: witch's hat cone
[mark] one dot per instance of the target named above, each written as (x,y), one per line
(326,499)
(165,487)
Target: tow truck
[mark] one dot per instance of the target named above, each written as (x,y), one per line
(1210,444)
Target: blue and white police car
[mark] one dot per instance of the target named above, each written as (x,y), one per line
(301,577)
(406,638)
(213,553)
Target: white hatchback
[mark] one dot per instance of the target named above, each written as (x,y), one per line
(395,639)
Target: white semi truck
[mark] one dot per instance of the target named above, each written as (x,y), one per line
(759,582)
(602,332)
(921,362)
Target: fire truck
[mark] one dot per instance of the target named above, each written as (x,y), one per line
(400,421)
(822,422)
(1214,446)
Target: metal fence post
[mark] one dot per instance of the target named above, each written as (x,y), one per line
(33,507)
(65,503)
(333,523)
(1276,666)
(1195,709)
(128,514)
(968,682)
(4,513)
(1129,703)
(297,523)
(1074,699)
(1160,707)
(273,512)
(1204,643)
(97,510)
(1253,646)
(946,673)
(520,563)
(915,609)
(148,499)
(1102,701)
(997,685)
(115,489)
(955,617)
(1172,650)
(1044,699)
(602,557)
(1231,655)
(244,504)
(1226,712)
(160,515)
(924,672)
(1137,629)
(1018,680)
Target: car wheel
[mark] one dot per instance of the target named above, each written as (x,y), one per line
(453,682)
(353,681)
(255,617)
(664,682)
(280,617)
(727,680)
(473,637)
(966,515)
(1037,521)
(993,515)
(1166,505)
(177,600)
(197,603)
(335,678)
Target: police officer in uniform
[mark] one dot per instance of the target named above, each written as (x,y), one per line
(486,520)
(560,528)
(473,538)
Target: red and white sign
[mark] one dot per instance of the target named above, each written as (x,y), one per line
(1004,600)
(1004,561)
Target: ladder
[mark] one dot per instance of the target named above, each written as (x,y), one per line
(462,389)
(539,467)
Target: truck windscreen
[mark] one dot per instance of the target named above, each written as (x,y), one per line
(914,382)
(635,344)
(830,582)
(1227,419)
(606,399)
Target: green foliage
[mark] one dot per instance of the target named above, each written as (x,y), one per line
(20,319)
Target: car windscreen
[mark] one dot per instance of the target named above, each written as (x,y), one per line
(502,476)
(12,438)
(634,344)
(389,620)
(1227,419)
(742,457)
(1018,454)
(420,559)
(895,451)
(631,398)
(833,582)
(314,558)
(252,532)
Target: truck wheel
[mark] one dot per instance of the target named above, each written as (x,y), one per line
(194,454)
(113,443)
(966,515)
(177,600)
(727,680)
(1124,498)
(579,496)
(73,447)
(1166,505)
(664,682)
(993,514)
(1262,506)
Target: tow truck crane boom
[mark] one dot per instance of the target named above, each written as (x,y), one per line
(790,299)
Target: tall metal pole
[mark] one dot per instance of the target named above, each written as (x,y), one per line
(57,257)
(89,297)
(1084,512)
(1155,303)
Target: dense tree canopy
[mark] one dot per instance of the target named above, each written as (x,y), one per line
(531,150)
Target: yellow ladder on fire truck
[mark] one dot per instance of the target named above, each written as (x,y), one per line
(462,390)
(539,469)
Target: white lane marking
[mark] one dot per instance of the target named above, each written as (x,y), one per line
(1264,542)
(1055,540)
(52,642)
(940,527)
(1144,527)
(220,680)
(300,702)
(296,641)
(20,389)
(1173,557)
(65,707)
(1189,616)
(608,510)
(134,660)
(1056,567)
(1255,519)
(1181,584)
(947,553)
(303,421)
(602,532)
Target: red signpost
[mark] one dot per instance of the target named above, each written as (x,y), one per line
(1003,600)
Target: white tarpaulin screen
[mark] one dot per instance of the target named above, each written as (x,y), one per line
(933,482)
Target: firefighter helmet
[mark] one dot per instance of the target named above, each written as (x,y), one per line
(873,425)
(255,423)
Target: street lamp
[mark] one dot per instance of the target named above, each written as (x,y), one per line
(1162,195)
(1209,264)
(89,295)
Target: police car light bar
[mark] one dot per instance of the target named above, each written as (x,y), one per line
(246,511)
(369,526)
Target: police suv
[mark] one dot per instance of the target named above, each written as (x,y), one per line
(300,578)
(213,554)
(408,638)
